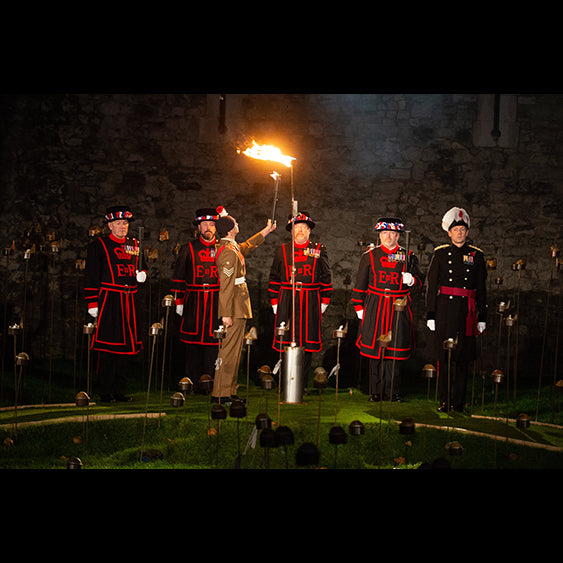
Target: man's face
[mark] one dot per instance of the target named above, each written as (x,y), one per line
(389,239)
(458,234)
(302,232)
(119,228)
(207,229)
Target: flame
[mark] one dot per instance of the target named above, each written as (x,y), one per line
(267,152)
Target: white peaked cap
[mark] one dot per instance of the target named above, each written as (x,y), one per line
(455,216)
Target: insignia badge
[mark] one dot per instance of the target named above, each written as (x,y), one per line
(228,271)
(468,259)
(134,250)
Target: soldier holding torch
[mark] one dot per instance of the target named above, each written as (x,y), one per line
(234,305)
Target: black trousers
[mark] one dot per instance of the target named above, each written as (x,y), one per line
(381,384)
(457,384)
(112,374)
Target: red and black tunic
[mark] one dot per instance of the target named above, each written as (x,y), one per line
(378,285)
(110,284)
(313,283)
(196,285)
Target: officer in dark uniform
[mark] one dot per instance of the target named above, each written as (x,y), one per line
(313,284)
(455,306)
(110,283)
(196,287)
(386,275)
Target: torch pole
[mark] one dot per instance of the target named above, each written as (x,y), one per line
(397,312)
(516,335)
(294,363)
(163,365)
(276,177)
(558,321)
(140,244)
(293,214)
(544,339)
(407,259)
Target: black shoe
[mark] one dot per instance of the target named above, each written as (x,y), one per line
(374,398)
(221,400)
(235,398)
(396,398)
(121,398)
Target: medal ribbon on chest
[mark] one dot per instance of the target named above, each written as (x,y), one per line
(397,257)
(313,252)
(133,250)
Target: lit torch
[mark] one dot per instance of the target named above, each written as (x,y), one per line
(267,152)
(273,154)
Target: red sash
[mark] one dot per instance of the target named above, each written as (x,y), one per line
(471,322)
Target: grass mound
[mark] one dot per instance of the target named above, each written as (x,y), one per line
(131,436)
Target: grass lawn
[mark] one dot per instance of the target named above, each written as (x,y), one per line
(105,436)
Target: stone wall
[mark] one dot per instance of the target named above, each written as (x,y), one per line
(65,158)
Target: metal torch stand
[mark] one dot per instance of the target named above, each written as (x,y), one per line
(293,381)
(293,376)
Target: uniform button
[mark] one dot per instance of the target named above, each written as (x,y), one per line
(451,279)
(449,261)
(450,271)
(451,296)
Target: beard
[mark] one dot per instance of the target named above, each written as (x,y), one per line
(208,235)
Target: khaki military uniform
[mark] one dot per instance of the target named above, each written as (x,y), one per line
(234,302)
